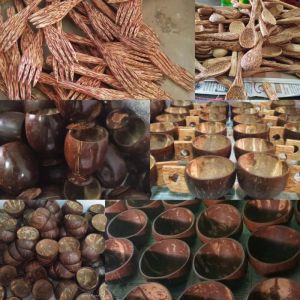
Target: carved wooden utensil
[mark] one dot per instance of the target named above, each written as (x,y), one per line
(253,58)
(266,15)
(248,37)
(237,90)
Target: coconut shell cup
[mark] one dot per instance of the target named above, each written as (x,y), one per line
(244,111)
(166,261)
(164,127)
(259,213)
(274,249)
(183,103)
(256,145)
(162,146)
(114,207)
(221,103)
(240,104)
(208,128)
(262,176)
(177,111)
(120,259)
(132,224)
(220,259)
(212,202)
(210,177)
(216,144)
(211,290)
(258,130)
(178,120)
(285,103)
(213,117)
(175,223)
(287,110)
(246,119)
(292,131)
(275,288)
(284,118)
(219,221)
(192,205)
(149,290)
(151,208)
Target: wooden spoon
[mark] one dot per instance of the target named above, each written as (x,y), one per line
(237,90)
(271,51)
(248,38)
(291,13)
(213,71)
(253,58)
(266,15)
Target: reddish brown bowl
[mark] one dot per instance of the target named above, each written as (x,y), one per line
(258,130)
(221,260)
(153,171)
(177,111)
(274,249)
(149,291)
(275,288)
(213,117)
(286,103)
(219,221)
(214,144)
(297,211)
(212,202)
(192,205)
(258,213)
(151,208)
(114,207)
(211,290)
(132,224)
(287,110)
(244,111)
(292,131)
(246,119)
(120,259)
(178,120)
(262,176)
(162,146)
(165,127)
(210,177)
(175,223)
(256,145)
(166,261)
(211,128)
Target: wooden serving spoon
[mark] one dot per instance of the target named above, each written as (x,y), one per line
(266,15)
(213,70)
(271,51)
(236,27)
(237,90)
(248,38)
(253,58)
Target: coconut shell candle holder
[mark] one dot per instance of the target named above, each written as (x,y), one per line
(256,145)
(216,144)
(262,176)
(174,223)
(246,119)
(162,146)
(151,208)
(218,221)
(166,261)
(132,224)
(259,213)
(274,249)
(258,130)
(208,128)
(114,207)
(228,265)
(210,177)
(212,290)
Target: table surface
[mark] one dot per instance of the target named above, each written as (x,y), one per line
(240,292)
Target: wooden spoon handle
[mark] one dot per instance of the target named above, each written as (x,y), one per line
(233,46)
(271,93)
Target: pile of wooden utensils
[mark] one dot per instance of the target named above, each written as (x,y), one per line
(245,40)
